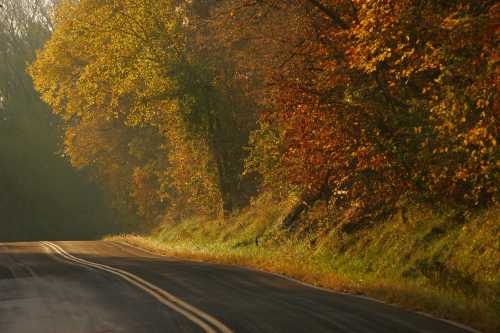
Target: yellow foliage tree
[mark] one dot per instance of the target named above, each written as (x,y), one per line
(115,71)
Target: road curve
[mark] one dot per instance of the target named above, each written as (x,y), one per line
(105,287)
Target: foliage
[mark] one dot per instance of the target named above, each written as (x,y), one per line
(377,101)
(127,65)
(183,108)
(365,104)
(453,273)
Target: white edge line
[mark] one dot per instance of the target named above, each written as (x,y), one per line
(448,321)
(161,295)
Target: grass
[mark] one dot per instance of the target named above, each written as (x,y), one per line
(441,263)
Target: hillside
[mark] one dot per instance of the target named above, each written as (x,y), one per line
(437,260)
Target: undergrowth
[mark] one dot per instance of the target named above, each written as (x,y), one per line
(438,261)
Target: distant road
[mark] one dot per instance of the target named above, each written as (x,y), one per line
(106,287)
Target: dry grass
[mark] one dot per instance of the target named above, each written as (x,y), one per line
(384,262)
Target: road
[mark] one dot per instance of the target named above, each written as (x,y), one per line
(105,287)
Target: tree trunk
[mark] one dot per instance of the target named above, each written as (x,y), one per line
(307,202)
(302,206)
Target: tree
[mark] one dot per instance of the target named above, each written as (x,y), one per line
(371,102)
(362,103)
(131,63)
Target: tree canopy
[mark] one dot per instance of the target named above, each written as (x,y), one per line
(183,107)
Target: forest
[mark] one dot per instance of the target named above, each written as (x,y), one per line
(257,125)
(188,108)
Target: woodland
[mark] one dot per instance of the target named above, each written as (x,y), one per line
(183,108)
(352,144)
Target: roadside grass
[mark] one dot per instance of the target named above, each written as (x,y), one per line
(438,262)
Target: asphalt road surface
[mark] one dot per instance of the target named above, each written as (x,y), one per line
(107,287)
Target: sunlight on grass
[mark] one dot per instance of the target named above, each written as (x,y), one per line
(428,264)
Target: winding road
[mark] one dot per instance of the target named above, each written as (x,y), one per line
(107,287)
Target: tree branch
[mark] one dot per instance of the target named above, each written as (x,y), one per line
(332,14)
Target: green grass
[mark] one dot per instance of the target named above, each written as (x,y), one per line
(433,261)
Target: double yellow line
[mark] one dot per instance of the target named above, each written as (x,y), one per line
(205,321)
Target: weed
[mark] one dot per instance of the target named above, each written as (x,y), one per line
(441,262)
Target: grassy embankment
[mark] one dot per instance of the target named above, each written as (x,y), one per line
(439,262)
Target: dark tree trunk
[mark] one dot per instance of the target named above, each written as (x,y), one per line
(307,201)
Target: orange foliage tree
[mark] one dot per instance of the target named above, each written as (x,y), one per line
(363,103)
(369,102)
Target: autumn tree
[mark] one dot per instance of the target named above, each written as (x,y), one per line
(367,103)
(128,80)
(363,104)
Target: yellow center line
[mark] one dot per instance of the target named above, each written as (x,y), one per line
(194,314)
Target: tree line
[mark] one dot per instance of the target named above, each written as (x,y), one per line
(188,108)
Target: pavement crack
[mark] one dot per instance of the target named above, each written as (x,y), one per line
(6,273)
